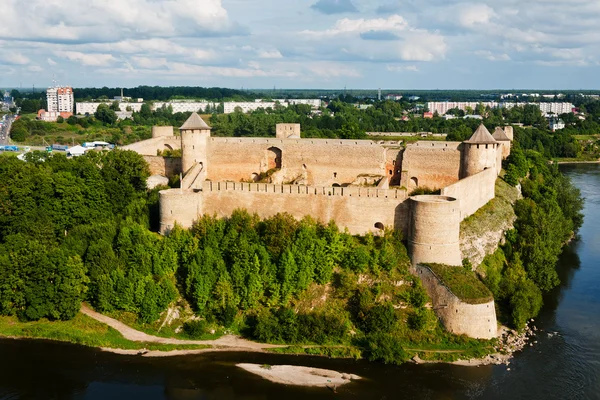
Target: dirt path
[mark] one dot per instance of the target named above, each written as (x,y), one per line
(435,351)
(230,342)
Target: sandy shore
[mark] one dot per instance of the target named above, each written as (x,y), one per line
(578,162)
(174,353)
(300,376)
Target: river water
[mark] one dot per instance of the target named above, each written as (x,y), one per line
(564,364)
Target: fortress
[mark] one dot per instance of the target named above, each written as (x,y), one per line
(363,185)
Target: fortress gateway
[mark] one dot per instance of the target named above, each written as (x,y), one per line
(362,185)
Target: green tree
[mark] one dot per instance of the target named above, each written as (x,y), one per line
(105,114)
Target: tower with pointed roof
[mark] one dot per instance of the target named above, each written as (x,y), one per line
(505,142)
(480,152)
(195,138)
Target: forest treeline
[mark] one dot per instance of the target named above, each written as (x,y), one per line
(548,216)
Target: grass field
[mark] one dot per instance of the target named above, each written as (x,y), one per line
(81,330)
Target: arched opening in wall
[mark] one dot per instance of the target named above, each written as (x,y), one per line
(254,177)
(168,147)
(379,225)
(413,183)
(336,185)
(274,158)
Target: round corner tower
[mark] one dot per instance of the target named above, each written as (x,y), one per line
(480,152)
(434,232)
(195,135)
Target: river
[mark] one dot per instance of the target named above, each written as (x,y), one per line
(564,364)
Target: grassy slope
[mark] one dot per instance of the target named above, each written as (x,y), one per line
(494,214)
(81,330)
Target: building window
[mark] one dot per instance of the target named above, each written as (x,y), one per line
(335,174)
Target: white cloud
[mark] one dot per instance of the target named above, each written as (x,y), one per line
(102,20)
(423,47)
(357,26)
(90,59)
(269,54)
(402,68)
(50,61)
(14,58)
(470,15)
(403,41)
(488,55)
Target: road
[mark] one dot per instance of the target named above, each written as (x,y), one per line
(5,130)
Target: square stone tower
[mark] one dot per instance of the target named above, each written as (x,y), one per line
(287,131)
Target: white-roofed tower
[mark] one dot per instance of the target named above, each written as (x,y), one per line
(195,135)
(480,152)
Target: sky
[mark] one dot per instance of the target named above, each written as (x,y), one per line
(329,44)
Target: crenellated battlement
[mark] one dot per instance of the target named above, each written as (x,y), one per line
(277,141)
(350,191)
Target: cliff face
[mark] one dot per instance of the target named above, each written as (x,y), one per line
(483,232)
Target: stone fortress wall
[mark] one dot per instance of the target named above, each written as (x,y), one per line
(325,162)
(474,191)
(431,164)
(474,320)
(321,178)
(162,139)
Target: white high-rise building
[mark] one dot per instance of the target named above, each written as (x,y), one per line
(60,99)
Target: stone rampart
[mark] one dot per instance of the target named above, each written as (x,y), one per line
(150,147)
(360,210)
(179,206)
(431,164)
(457,316)
(473,192)
(434,230)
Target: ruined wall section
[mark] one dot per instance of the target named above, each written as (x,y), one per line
(457,316)
(473,192)
(162,131)
(393,164)
(431,164)
(150,147)
(165,166)
(322,162)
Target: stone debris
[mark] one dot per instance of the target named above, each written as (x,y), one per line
(509,342)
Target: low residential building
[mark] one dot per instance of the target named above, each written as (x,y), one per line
(393,97)
(556,124)
(52,116)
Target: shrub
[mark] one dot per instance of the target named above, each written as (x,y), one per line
(195,329)
(381,318)
(385,348)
